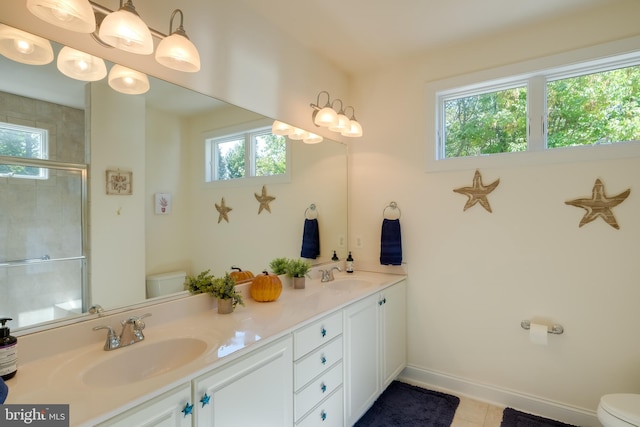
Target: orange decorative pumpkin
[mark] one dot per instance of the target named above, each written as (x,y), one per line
(266,287)
(240,276)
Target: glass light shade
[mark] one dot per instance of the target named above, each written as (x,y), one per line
(312,138)
(126,80)
(73,15)
(355,130)
(178,53)
(81,66)
(342,125)
(126,31)
(298,134)
(280,128)
(24,47)
(326,117)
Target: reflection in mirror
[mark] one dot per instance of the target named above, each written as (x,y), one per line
(159,137)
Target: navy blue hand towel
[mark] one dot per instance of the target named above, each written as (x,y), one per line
(390,243)
(4,391)
(310,239)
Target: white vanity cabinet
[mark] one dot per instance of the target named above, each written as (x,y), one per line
(318,373)
(165,410)
(374,347)
(253,391)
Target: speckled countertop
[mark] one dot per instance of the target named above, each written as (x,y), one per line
(56,374)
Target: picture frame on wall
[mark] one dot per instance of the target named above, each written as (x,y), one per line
(163,203)
(119,182)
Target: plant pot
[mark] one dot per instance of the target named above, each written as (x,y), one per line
(286,280)
(299,282)
(225,306)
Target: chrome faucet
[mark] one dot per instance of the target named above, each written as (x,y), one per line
(131,333)
(327,275)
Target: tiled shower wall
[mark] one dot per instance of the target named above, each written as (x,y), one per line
(42,217)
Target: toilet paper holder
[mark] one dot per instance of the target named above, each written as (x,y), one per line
(553,329)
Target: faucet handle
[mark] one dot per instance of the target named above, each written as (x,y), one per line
(138,323)
(112,341)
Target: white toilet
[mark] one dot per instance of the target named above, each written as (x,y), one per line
(165,283)
(619,410)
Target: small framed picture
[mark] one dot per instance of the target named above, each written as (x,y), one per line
(163,203)
(119,182)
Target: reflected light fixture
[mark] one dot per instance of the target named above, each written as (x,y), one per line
(128,81)
(81,66)
(343,120)
(312,138)
(324,116)
(355,128)
(125,30)
(73,15)
(176,50)
(298,134)
(281,128)
(24,47)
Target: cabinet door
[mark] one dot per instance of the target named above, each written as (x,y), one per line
(165,410)
(253,391)
(394,335)
(361,357)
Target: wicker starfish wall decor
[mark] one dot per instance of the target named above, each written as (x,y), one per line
(478,192)
(599,205)
(264,200)
(223,211)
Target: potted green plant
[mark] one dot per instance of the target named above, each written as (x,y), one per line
(298,269)
(222,288)
(279,267)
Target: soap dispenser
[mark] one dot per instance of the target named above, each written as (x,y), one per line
(8,351)
(349,266)
(335,257)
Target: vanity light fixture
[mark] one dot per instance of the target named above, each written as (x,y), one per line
(125,30)
(176,50)
(128,81)
(298,134)
(281,128)
(355,128)
(24,47)
(336,122)
(312,138)
(73,15)
(81,66)
(324,116)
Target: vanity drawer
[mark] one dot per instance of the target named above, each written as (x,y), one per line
(316,334)
(328,414)
(316,362)
(318,389)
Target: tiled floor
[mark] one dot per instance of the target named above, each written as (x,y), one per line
(472,413)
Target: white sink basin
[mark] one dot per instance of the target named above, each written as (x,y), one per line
(347,284)
(142,360)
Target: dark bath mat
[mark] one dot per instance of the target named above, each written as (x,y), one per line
(513,418)
(405,405)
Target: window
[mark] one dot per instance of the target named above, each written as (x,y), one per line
(240,155)
(592,103)
(23,142)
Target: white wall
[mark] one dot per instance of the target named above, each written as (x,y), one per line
(473,276)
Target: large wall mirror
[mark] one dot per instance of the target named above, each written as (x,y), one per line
(50,271)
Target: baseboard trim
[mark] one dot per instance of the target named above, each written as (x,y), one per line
(499,396)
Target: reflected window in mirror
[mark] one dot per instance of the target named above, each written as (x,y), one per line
(254,152)
(25,142)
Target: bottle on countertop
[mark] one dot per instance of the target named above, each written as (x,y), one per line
(335,257)
(8,351)
(349,266)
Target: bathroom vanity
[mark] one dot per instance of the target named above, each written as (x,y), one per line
(316,356)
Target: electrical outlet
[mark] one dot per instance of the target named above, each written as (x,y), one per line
(358,241)
(341,241)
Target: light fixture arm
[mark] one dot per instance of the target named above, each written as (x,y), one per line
(316,106)
(353,112)
(180,30)
(341,110)
(102,11)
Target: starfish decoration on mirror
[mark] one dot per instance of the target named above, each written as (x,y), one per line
(223,210)
(264,200)
(599,205)
(478,192)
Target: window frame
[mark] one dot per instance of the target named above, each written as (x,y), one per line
(254,127)
(43,173)
(535,73)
